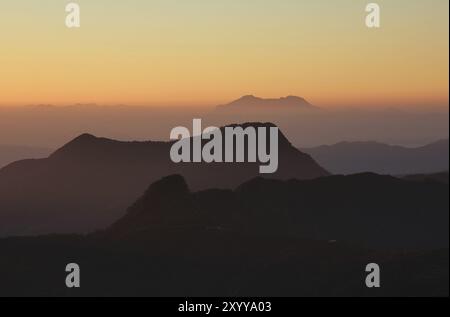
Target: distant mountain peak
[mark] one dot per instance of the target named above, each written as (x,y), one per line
(85,137)
(251,101)
(82,139)
(249,97)
(81,144)
(296,98)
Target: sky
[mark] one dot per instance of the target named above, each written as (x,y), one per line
(209,52)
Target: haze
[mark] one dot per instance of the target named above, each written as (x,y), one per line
(52,126)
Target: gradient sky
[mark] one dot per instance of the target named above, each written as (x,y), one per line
(207,52)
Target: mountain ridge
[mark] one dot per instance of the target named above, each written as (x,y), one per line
(254,103)
(370,156)
(294,208)
(93,180)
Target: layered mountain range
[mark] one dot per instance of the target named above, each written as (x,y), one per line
(358,157)
(89,182)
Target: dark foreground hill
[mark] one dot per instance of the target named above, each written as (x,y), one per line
(89,182)
(369,210)
(357,157)
(267,238)
(187,263)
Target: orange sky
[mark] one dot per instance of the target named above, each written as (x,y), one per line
(207,52)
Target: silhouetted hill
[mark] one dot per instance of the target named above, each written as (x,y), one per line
(12,153)
(250,242)
(358,157)
(167,202)
(366,209)
(89,182)
(252,103)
